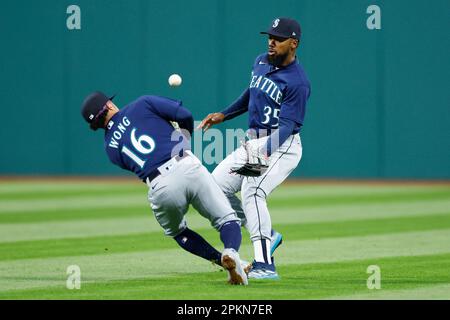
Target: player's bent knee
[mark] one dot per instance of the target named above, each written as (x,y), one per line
(221,184)
(251,193)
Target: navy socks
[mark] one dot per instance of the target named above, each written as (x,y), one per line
(231,236)
(195,244)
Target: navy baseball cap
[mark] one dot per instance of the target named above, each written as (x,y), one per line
(93,105)
(284,28)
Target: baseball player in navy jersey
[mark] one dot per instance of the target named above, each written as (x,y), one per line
(140,138)
(275,101)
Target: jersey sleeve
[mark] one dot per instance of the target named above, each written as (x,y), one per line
(277,138)
(238,107)
(294,103)
(171,110)
(185,119)
(164,107)
(292,112)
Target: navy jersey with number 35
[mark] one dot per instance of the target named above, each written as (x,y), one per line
(140,138)
(275,100)
(276,93)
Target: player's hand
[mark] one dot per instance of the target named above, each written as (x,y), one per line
(211,119)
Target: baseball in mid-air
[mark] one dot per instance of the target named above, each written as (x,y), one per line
(175,80)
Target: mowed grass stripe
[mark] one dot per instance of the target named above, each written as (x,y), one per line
(43,272)
(157,241)
(358,211)
(364,199)
(77,228)
(292,212)
(42,186)
(331,190)
(36,195)
(435,292)
(20,189)
(307,281)
(63,203)
(365,247)
(72,215)
(145,222)
(132,206)
(88,201)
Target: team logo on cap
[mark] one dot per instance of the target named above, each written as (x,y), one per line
(91,117)
(275,23)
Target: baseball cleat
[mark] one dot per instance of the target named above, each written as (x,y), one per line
(275,240)
(232,263)
(260,270)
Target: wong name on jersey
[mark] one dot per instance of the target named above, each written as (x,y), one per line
(118,133)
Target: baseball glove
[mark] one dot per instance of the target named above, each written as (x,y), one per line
(256,163)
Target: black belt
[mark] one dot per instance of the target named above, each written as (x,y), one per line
(156,172)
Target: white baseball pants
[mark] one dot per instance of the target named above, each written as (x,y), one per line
(253,209)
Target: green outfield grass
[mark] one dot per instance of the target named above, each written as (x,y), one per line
(332,233)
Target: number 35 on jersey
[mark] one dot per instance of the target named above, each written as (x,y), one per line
(271,116)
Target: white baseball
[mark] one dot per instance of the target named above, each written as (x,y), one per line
(175,80)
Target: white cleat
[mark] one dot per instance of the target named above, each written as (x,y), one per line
(232,263)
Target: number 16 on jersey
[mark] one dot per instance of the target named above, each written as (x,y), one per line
(144,145)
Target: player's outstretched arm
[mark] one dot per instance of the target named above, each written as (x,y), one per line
(237,108)
(211,119)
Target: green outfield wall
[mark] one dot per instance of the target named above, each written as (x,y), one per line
(380,102)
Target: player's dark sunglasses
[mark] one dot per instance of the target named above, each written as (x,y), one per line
(105,107)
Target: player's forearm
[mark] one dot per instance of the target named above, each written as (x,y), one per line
(277,138)
(238,107)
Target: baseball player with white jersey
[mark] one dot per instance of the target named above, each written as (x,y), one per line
(275,101)
(140,138)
